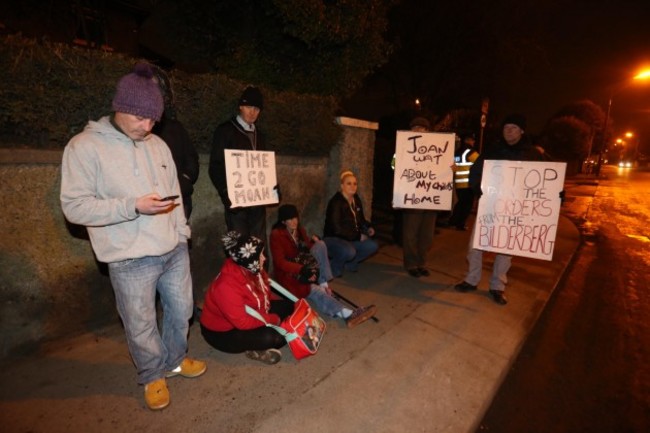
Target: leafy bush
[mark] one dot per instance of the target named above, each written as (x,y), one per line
(50,91)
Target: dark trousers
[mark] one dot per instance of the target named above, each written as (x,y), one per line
(241,340)
(419,226)
(248,221)
(463,207)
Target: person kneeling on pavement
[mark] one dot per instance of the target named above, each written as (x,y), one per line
(242,281)
(301,266)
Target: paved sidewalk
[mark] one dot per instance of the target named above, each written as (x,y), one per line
(431,364)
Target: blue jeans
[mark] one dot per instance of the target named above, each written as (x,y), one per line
(319,251)
(347,255)
(135,283)
(324,302)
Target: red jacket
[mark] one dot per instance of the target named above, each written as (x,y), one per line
(283,248)
(233,289)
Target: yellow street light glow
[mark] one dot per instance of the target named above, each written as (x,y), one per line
(629,134)
(643,75)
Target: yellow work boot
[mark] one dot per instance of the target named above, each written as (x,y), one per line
(156,394)
(189,368)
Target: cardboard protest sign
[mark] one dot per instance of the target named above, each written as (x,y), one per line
(251,176)
(519,209)
(424,178)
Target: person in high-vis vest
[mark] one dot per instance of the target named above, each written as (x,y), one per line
(464,158)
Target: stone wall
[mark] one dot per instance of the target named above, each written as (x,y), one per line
(50,284)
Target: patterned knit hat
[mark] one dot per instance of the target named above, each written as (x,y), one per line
(244,251)
(138,94)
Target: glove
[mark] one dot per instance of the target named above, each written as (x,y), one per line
(227,205)
(308,274)
(277,189)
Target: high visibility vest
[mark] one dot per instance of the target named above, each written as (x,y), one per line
(463,163)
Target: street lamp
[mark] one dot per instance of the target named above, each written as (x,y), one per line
(643,75)
(630,135)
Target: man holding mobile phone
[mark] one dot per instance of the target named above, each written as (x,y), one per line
(119,181)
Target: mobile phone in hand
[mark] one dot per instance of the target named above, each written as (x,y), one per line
(169,197)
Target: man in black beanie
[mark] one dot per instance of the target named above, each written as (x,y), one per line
(241,133)
(513,146)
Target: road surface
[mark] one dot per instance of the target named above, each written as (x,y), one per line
(586,365)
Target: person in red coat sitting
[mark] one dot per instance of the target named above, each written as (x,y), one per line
(301,265)
(242,281)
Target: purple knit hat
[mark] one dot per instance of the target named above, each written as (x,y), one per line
(138,94)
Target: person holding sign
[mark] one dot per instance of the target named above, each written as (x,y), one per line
(240,133)
(347,233)
(514,146)
(418,226)
(242,281)
(302,267)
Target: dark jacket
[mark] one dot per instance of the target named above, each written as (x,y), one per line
(523,150)
(229,135)
(184,154)
(341,222)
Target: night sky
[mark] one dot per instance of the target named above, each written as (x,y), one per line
(578,50)
(564,50)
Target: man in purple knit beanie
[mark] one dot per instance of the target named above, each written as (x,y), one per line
(119,181)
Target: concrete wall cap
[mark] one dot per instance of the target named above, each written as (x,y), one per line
(357,123)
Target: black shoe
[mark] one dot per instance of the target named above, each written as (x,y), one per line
(499,297)
(424,272)
(415,272)
(464,287)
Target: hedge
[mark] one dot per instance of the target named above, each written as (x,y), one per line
(49,91)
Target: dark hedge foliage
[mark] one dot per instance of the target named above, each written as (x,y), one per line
(48,92)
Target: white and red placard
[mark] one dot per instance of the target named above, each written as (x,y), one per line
(519,209)
(251,177)
(424,178)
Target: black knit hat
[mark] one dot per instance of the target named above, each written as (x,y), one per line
(244,251)
(287,212)
(420,121)
(138,94)
(515,119)
(252,97)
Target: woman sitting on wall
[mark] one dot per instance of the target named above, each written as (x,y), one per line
(301,265)
(347,233)
(225,324)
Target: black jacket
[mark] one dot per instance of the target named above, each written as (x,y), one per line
(523,150)
(184,154)
(341,222)
(229,135)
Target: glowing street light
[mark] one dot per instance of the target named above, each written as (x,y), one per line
(643,75)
